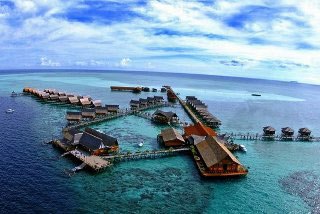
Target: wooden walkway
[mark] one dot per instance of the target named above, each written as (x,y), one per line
(145,154)
(122,113)
(257,136)
(94,162)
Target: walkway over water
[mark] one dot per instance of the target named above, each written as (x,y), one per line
(145,154)
(257,136)
(114,116)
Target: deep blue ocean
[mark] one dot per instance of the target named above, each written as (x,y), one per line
(284,177)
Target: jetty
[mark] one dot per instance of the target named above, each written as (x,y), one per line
(146,154)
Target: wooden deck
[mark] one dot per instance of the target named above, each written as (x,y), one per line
(94,162)
(145,154)
(122,113)
(261,137)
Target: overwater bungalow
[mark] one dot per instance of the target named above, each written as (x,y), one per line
(73,100)
(146,89)
(215,160)
(269,132)
(101,110)
(113,108)
(154,90)
(158,99)
(165,117)
(54,97)
(304,134)
(194,139)
(163,89)
(171,138)
(63,99)
(98,143)
(287,133)
(72,136)
(88,113)
(69,95)
(143,103)
(45,96)
(150,100)
(189,98)
(62,93)
(85,102)
(73,116)
(96,103)
(134,104)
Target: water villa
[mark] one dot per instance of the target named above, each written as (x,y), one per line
(198,129)
(134,104)
(73,100)
(73,116)
(85,102)
(98,143)
(269,133)
(96,103)
(171,138)
(287,133)
(113,108)
(213,159)
(304,134)
(63,99)
(101,110)
(88,113)
(165,117)
(143,103)
(201,110)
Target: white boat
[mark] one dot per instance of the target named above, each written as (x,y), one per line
(243,148)
(10,110)
(140,144)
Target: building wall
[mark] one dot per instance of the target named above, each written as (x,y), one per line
(225,165)
(175,142)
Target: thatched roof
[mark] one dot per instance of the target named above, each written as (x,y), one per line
(213,152)
(158,98)
(72,115)
(304,131)
(96,103)
(171,134)
(73,100)
(54,97)
(85,101)
(169,115)
(191,98)
(287,130)
(268,129)
(101,110)
(63,98)
(88,112)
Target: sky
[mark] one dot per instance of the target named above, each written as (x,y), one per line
(278,39)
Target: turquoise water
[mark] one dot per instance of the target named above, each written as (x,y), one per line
(32,176)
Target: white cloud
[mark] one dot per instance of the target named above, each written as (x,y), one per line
(125,62)
(44,61)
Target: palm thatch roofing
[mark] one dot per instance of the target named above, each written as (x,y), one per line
(88,112)
(191,98)
(171,134)
(101,110)
(85,101)
(72,115)
(112,107)
(304,131)
(167,114)
(213,152)
(73,100)
(54,97)
(158,98)
(287,130)
(269,129)
(96,103)
(63,98)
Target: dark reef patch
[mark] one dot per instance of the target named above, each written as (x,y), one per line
(306,185)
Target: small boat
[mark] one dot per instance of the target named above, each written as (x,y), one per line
(242,148)
(256,95)
(9,110)
(14,94)
(140,144)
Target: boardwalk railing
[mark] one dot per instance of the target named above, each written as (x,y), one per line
(145,154)
(257,136)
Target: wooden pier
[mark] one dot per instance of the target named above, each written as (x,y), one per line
(261,137)
(145,154)
(125,88)
(94,162)
(122,113)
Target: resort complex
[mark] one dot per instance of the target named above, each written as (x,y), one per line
(210,150)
